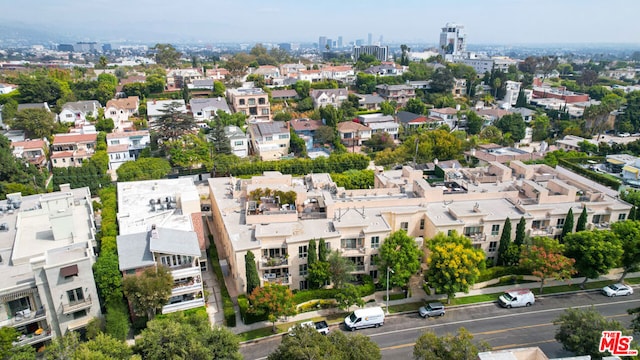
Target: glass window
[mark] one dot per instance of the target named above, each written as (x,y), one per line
(302,268)
(353,243)
(252,101)
(268,138)
(560,223)
(421,224)
(375,242)
(304,285)
(241,102)
(265,111)
(404,226)
(472,230)
(302,251)
(495,229)
(493,246)
(373,259)
(622,217)
(75,295)
(283,136)
(262,101)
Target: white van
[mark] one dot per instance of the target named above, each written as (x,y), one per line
(363,318)
(517,298)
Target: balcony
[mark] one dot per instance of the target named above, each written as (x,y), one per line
(184,271)
(358,268)
(30,339)
(25,317)
(274,262)
(183,305)
(280,280)
(77,305)
(186,288)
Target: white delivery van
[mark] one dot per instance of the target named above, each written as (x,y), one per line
(517,298)
(363,318)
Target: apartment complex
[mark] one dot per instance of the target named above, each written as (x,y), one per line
(161,225)
(381,53)
(253,102)
(46,258)
(473,202)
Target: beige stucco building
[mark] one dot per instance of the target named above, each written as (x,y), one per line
(474,202)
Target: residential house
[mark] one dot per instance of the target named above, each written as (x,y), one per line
(253,102)
(6,88)
(306,129)
(619,74)
(46,256)
(572,142)
(344,73)
(267,71)
(379,123)
(309,75)
(369,101)
(490,115)
(179,78)
(34,151)
(217,73)
(324,97)
(269,140)
(126,146)
(155,108)
(76,112)
(410,121)
(291,69)
(398,93)
(420,84)
(353,133)
(284,94)
(487,153)
(447,116)
(204,109)
(121,110)
(527,114)
(512,91)
(356,222)
(69,150)
(541,90)
(385,69)
(201,84)
(459,87)
(238,140)
(160,224)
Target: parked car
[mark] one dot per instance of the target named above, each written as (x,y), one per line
(363,318)
(617,290)
(321,326)
(517,298)
(432,309)
(624,134)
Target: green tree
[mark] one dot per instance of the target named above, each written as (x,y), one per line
(491,134)
(448,347)
(108,277)
(64,347)
(629,234)
(37,123)
(453,264)
(173,123)
(103,346)
(415,106)
(545,260)
(365,83)
(512,255)
(305,104)
(331,115)
(400,252)
(323,251)
(540,126)
(8,335)
(312,252)
(253,279)
(221,143)
(39,89)
(340,269)
(166,55)
(324,135)
(595,252)
(521,233)
(387,108)
(117,319)
(302,88)
(513,124)
(474,123)
(442,81)
(582,220)
(306,343)
(105,124)
(349,296)
(297,144)
(143,169)
(579,331)
(273,300)
(318,274)
(505,240)
(567,228)
(149,291)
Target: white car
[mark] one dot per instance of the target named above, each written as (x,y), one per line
(624,134)
(617,290)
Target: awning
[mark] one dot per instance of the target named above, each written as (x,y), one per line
(71,270)
(630,169)
(615,161)
(18,295)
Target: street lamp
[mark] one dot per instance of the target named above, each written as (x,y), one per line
(393,272)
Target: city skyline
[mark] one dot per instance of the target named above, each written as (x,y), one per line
(489,22)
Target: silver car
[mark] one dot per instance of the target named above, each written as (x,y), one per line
(432,309)
(617,290)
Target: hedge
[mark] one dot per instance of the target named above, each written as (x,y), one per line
(245,315)
(302,296)
(500,271)
(227,305)
(599,178)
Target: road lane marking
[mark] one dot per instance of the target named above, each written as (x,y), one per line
(499,317)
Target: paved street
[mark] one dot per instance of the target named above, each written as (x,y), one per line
(501,328)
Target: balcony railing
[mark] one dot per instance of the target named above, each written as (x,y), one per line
(358,268)
(33,338)
(274,262)
(281,280)
(183,305)
(77,305)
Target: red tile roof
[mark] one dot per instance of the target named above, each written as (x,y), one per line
(118,148)
(74,138)
(198,227)
(30,144)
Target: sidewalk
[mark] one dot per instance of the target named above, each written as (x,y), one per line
(418,295)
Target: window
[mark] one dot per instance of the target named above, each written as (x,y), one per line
(268,138)
(373,274)
(351,243)
(302,252)
(375,242)
(493,246)
(265,111)
(495,229)
(79,314)
(597,219)
(449,232)
(536,224)
(476,246)
(176,260)
(302,268)
(421,224)
(115,142)
(622,217)
(113,112)
(404,226)
(560,224)
(283,145)
(472,230)
(373,259)
(130,272)
(69,115)
(262,101)
(283,136)
(238,143)
(304,285)
(241,102)
(75,295)
(252,101)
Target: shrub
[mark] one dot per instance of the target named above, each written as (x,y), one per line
(500,271)
(248,318)
(117,320)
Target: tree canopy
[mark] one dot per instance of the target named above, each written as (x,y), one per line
(400,252)
(429,346)
(545,260)
(580,330)
(274,300)
(149,291)
(595,252)
(628,232)
(166,55)
(143,169)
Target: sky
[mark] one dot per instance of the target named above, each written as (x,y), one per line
(504,22)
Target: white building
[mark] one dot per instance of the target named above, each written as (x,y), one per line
(207,108)
(269,140)
(381,53)
(238,140)
(453,42)
(76,112)
(121,110)
(379,123)
(161,224)
(46,258)
(512,91)
(126,146)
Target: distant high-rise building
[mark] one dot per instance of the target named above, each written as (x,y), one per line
(65,47)
(322,41)
(370,39)
(380,40)
(339,42)
(285,46)
(106,47)
(453,41)
(359,42)
(380,52)
(328,43)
